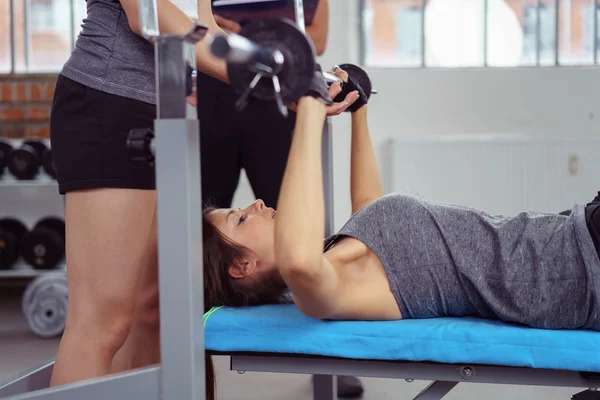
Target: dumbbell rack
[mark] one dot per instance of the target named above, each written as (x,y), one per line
(29,201)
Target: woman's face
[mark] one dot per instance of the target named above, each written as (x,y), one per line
(253,228)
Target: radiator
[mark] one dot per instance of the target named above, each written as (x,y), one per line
(500,174)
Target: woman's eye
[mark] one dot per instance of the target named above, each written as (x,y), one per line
(242,219)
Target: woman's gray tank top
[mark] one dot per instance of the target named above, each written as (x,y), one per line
(446,260)
(109,57)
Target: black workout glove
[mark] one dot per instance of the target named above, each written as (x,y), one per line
(348,87)
(318,87)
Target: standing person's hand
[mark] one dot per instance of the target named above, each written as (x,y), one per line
(228,24)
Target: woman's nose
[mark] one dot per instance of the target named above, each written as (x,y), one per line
(259,204)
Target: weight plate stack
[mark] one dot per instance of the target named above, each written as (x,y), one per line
(44,246)
(44,304)
(12,232)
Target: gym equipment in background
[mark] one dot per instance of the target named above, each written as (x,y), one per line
(44,304)
(47,163)
(44,246)
(5,149)
(12,232)
(24,162)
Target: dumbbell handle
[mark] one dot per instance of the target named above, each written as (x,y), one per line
(237,49)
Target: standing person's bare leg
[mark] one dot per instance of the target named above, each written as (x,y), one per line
(105,259)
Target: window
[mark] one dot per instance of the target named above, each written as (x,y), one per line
(39,34)
(41,15)
(479,33)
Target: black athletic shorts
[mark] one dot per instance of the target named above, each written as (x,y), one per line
(88,132)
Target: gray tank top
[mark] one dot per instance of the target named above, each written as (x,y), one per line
(109,57)
(445,260)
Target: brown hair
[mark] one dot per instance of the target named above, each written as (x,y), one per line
(220,289)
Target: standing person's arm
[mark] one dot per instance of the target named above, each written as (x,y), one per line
(319,29)
(173,21)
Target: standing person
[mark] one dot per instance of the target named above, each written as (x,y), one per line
(257,139)
(105,89)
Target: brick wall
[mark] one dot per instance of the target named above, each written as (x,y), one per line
(25,102)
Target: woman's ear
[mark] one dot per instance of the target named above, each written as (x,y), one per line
(242,269)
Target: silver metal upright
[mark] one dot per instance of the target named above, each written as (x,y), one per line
(11,14)
(595,38)
(324,386)
(485,32)
(556,32)
(177,152)
(538,31)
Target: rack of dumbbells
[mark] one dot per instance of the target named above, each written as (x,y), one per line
(32,233)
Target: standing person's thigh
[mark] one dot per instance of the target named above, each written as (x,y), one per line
(220,140)
(110,204)
(267,142)
(106,239)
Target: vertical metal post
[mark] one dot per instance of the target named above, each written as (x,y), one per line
(556,32)
(299,12)
(179,219)
(538,31)
(423,51)
(26,32)
(485,32)
(362,41)
(325,386)
(595,38)
(13,61)
(327,160)
(72,23)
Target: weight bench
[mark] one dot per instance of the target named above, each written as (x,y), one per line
(279,338)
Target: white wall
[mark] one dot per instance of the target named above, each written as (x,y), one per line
(541,101)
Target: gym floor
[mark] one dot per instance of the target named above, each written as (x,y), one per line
(20,350)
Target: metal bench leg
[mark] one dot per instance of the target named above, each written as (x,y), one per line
(324,387)
(436,391)
(35,379)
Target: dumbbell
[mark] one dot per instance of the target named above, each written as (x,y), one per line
(44,246)
(47,163)
(24,162)
(5,149)
(270,59)
(12,232)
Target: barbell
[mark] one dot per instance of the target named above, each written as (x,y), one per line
(272,59)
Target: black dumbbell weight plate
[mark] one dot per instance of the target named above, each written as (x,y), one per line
(11,233)
(360,76)
(40,148)
(23,162)
(299,60)
(5,149)
(44,246)
(48,164)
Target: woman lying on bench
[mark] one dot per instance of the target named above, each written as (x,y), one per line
(399,256)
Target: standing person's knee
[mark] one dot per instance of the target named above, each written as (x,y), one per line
(105,323)
(147,313)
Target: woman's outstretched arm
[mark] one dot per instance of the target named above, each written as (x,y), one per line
(300,220)
(365,177)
